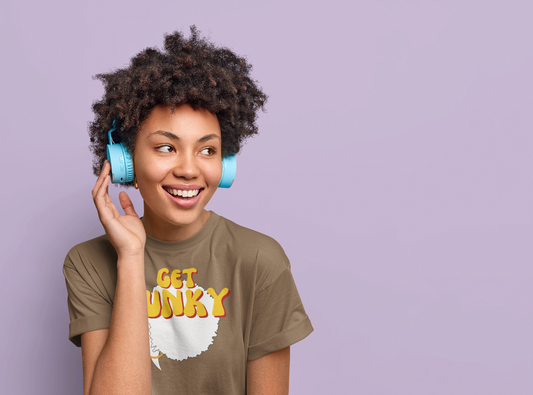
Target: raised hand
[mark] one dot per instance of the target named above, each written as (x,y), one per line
(126,232)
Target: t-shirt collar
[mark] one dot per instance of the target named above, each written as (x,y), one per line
(208,227)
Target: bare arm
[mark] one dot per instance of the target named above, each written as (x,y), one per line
(269,375)
(117,360)
(91,347)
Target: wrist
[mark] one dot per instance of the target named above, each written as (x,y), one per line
(131,259)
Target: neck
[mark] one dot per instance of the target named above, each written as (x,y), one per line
(161,229)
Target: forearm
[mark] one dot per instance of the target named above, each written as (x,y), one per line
(123,366)
(269,375)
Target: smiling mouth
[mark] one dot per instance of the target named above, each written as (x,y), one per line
(183,193)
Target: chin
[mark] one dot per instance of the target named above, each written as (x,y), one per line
(184,219)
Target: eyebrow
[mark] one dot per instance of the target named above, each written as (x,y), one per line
(208,137)
(172,136)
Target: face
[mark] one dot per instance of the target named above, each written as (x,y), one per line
(178,165)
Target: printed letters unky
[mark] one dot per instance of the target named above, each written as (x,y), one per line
(179,302)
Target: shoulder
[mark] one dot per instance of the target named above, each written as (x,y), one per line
(91,268)
(268,255)
(249,239)
(97,252)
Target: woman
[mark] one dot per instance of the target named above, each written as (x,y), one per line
(223,309)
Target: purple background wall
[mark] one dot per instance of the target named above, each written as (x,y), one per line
(394,166)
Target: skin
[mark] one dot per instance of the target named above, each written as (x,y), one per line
(180,148)
(172,148)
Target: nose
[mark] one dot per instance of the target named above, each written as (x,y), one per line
(186,167)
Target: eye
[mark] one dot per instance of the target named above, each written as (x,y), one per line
(165,148)
(208,151)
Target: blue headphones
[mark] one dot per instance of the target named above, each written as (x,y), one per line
(122,164)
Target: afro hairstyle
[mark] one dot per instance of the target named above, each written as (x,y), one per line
(190,71)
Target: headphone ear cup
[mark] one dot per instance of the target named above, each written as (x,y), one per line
(128,164)
(121,163)
(229,170)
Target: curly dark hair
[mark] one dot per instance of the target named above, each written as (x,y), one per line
(192,71)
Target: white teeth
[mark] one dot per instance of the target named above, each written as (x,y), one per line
(184,193)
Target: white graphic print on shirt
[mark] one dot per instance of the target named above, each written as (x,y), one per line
(183,321)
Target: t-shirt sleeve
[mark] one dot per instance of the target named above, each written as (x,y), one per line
(89,304)
(279,319)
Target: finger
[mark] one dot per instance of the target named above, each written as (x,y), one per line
(100,178)
(105,171)
(102,195)
(107,198)
(126,204)
(104,205)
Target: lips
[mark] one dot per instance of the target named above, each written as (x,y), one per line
(184,196)
(183,192)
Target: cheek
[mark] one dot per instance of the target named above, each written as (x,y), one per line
(213,174)
(150,171)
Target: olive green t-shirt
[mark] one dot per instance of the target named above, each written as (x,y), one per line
(215,300)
